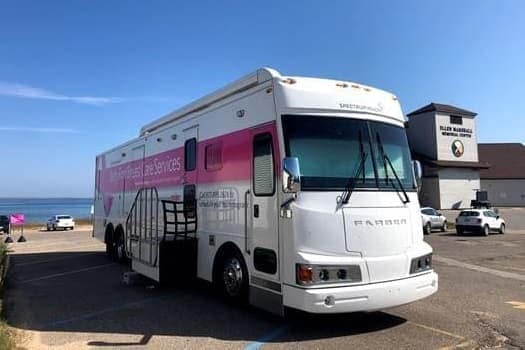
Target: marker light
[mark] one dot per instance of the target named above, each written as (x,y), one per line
(420,264)
(289,81)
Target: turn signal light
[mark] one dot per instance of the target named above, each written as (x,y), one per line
(305,274)
(324,274)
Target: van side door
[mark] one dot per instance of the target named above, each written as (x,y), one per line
(264,214)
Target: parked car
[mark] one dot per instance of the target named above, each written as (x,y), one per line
(4,224)
(64,222)
(479,220)
(431,219)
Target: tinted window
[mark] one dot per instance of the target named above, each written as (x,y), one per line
(469,213)
(213,157)
(456,119)
(263,168)
(63,217)
(265,260)
(190,154)
(427,211)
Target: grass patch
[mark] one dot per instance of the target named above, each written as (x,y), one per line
(6,334)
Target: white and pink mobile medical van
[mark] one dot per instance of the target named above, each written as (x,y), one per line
(282,191)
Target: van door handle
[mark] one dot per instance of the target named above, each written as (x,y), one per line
(256,210)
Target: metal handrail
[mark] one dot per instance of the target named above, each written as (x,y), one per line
(246,194)
(146,198)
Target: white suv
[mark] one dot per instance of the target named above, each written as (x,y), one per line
(432,219)
(479,220)
(64,222)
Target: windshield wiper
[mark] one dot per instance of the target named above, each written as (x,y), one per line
(345,197)
(386,160)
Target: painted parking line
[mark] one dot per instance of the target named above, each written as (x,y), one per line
(275,333)
(66,273)
(256,345)
(517,304)
(478,268)
(58,250)
(90,315)
(55,259)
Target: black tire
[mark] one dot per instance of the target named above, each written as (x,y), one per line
(232,277)
(54,228)
(120,248)
(427,229)
(72,228)
(502,229)
(485,231)
(459,231)
(444,227)
(109,244)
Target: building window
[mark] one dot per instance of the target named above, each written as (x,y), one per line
(190,154)
(456,119)
(213,157)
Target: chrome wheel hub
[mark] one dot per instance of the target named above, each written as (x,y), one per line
(232,276)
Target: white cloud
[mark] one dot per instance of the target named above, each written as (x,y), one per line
(43,130)
(24,91)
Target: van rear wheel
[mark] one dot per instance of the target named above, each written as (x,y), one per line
(486,230)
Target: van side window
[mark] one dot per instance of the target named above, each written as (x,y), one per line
(190,154)
(213,157)
(263,165)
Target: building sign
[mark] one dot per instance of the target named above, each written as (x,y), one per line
(17,219)
(455,131)
(457,148)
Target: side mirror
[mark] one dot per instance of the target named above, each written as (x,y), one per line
(497,217)
(291,175)
(418,173)
(439,214)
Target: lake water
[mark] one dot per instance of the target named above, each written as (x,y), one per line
(38,210)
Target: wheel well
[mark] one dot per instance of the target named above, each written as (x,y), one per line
(109,231)
(226,249)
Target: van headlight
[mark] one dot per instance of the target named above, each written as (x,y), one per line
(420,264)
(307,275)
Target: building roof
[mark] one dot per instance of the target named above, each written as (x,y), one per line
(450,163)
(507,160)
(441,108)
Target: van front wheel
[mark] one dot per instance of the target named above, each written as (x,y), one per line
(233,278)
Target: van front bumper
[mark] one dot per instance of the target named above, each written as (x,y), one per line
(369,297)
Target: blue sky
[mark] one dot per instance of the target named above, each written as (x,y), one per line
(78,77)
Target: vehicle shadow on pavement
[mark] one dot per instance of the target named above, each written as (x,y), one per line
(81,292)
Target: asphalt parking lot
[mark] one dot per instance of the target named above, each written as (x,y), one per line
(62,292)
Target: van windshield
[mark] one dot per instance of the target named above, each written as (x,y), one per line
(329,151)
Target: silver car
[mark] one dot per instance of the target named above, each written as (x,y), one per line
(431,219)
